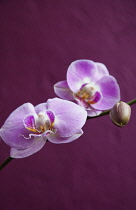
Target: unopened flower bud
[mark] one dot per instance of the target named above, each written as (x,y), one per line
(120,114)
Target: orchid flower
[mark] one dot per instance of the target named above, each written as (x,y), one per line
(90,85)
(27,128)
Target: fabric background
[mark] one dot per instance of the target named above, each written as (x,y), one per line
(38,41)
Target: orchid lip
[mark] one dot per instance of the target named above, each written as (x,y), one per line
(44,134)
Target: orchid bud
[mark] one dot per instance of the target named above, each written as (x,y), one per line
(120,114)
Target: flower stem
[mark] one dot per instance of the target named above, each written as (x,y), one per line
(5,162)
(132,102)
(108,111)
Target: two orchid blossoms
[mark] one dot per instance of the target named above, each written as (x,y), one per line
(88,91)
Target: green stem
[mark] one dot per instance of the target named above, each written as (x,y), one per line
(102,114)
(132,102)
(5,162)
(108,111)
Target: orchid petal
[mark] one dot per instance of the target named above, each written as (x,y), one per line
(29,122)
(13,128)
(93,112)
(101,70)
(110,91)
(69,117)
(63,91)
(41,108)
(37,144)
(80,72)
(50,115)
(59,140)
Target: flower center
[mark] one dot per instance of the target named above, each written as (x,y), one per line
(42,123)
(39,123)
(89,94)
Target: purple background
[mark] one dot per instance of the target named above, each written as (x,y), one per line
(38,41)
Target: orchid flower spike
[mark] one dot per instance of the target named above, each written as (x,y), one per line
(27,128)
(90,85)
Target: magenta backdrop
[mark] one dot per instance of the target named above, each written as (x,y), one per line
(38,41)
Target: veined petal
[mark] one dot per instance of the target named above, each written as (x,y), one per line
(13,128)
(37,144)
(69,117)
(63,91)
(59,140)
(110,91)
(80,72)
